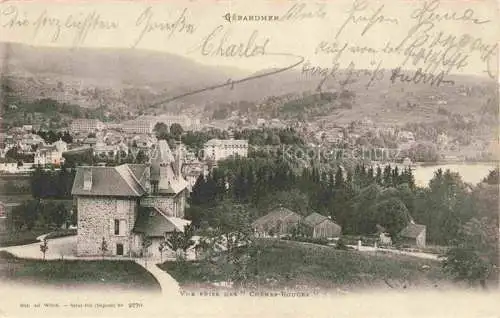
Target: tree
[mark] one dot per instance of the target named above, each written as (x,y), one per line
(181,240)
(393,215)
(301,230)
(44,247)
(146,243)
(364,216)
(141,157)
(339,179)
(161,248)
(161,129)
(176,130)
(232,230)
(443,207)
(295,200)
(493,177)
(103,247)
(474,256)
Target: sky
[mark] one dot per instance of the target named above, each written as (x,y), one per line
(182,27)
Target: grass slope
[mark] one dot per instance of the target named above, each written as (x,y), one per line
(76,274)
(13,238)
(286,264)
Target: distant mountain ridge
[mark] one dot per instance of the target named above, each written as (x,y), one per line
(130,78)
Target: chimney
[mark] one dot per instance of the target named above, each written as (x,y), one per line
(87,178)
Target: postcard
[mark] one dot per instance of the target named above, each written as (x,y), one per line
(266,158)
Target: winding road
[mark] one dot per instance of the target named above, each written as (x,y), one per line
(65,248)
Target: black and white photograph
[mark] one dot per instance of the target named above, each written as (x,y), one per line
(275,158)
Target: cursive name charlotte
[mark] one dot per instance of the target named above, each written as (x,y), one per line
(219,43)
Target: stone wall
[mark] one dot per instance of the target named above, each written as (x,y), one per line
(96,220)
(164,203)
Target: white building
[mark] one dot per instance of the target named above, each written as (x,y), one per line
(141,125)
(86,126)
(218,149)
(48,155)
(60,145)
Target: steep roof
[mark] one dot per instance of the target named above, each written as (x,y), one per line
(140,172)
(108,181)
(172,184)
(272,218)
(315,219)
(412,230)
(153,223)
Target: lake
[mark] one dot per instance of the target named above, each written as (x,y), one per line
(470,173)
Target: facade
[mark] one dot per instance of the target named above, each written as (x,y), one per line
(218,149)
(414,234)
(141,125)
(279,221)
(48,155)
(125,204)
(103,150)
(322,226)
(86,126)
(385,239)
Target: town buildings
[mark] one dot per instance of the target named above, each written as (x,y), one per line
(50,154)
(85,126)
(218,149)
(141,125)
(124,205)
(146,124)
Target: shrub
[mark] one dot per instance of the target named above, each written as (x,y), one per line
(61,233)
(341,245)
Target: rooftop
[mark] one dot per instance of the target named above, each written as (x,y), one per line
(277,214)
(110,181)
(412,230)
(153,223)
(315,219)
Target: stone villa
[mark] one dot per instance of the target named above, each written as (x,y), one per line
(124,204)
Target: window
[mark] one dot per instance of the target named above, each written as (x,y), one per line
(117,227)
(120,226)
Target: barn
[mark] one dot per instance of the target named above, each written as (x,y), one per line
(279,221)
(322,226)
(414,234)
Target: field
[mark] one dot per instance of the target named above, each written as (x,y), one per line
(287,264)
(72,274)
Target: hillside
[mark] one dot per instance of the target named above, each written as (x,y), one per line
(132,80)
(93,77)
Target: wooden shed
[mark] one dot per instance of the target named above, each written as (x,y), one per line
(279,221)
(414,234)
(322,226)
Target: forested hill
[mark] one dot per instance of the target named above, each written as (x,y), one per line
(134,79)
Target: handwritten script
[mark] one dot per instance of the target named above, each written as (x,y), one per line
(421,42)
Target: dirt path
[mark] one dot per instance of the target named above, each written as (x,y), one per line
(169,285)
(65,248)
